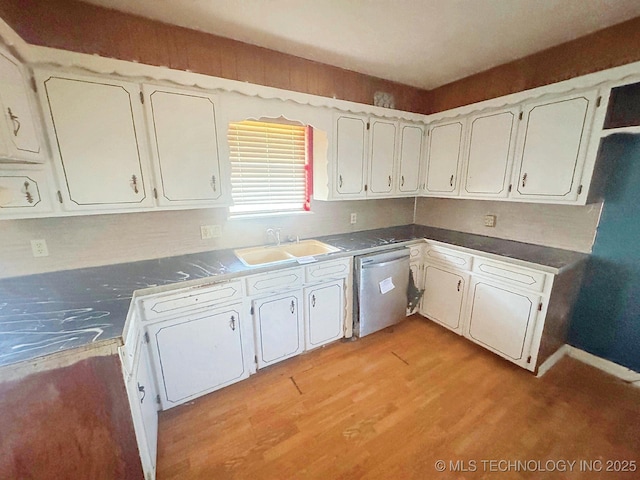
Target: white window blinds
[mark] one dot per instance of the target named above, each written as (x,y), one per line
(268,167)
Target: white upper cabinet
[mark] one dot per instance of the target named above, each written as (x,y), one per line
(184,146)
(351,155)
(490,152)
(382,141)
(96,128)
(23,192)
(409,158)
(552,148)
(19,138)
(444,156)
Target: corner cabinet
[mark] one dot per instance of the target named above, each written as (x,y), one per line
(444,157)
(184,147)
(97,135)
(19,134)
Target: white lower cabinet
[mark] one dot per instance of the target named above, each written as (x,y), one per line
(324,313)
(198,353)
(278,327)
(444,294)
(502,319)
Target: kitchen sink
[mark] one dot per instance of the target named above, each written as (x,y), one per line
(255,256)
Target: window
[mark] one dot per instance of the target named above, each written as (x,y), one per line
(270,167)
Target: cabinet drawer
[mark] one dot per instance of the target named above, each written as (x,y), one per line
(198,297)
(328,270)
(415,251)
(515,275)
(445,256)
(274,281)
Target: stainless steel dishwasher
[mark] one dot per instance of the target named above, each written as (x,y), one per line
(381,291)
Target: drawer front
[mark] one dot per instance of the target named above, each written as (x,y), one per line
(451,258)
(198,297)
(272,282)
(512,274)
(328,270)
(415,251)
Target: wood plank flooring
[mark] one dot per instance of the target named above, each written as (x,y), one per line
(392,404)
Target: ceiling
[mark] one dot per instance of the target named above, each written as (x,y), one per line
(424,43)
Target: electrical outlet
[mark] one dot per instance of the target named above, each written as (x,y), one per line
(354,218)
(210,231)
(39,248)
(489,220)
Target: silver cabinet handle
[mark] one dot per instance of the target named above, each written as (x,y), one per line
(232,323)
(134,183)
(340,181)
(451,181)
(389,180)
(402,181)
(459,284)
(213,183)
(524,180)
(313,300)
(293,306)
(15,121)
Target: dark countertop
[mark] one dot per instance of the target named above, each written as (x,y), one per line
(51,312)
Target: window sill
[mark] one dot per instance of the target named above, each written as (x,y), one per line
(249,216)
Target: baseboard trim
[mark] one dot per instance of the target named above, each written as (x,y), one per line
(623,373)
(552,360)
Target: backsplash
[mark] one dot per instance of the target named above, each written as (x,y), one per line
(84,241)
(560,226)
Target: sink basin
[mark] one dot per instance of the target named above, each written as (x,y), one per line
(255,256)
(308,248)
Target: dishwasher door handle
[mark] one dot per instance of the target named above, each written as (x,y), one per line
(384,264)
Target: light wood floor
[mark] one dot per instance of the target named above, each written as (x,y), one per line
(392,404)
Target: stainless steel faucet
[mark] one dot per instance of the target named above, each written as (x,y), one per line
(275,234)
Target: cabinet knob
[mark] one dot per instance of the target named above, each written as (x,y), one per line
(524,180)
(15,121)
(313,300)
(134,183)
(213,183)
(293,306)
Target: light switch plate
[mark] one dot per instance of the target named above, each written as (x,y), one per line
(210,231)
(489,220)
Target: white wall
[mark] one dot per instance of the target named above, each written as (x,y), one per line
(560,226)
(76,242)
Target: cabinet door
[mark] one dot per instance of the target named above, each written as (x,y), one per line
(444,291)
(20,121)
(278,328)
(381,159)
(23,191)
(97,134)
(443,160)
(409,159)
(324,313)
(490,154)
(552,146)
(144,409)
(351,164)
(184,146)
(197,354)
(502,319)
